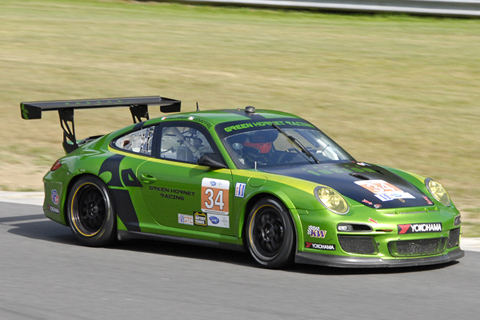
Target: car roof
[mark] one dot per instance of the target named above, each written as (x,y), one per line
(214,117)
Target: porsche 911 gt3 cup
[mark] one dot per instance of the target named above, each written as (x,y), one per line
(263,181)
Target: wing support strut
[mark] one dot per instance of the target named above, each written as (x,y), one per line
(138,108)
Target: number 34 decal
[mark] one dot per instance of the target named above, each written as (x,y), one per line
(215,195)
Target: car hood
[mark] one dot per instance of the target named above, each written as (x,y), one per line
(368,184)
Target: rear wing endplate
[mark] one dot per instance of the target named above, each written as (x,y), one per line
(138,108)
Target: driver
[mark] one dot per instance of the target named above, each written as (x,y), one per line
(258,147)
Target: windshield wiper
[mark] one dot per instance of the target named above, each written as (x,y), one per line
(297,142)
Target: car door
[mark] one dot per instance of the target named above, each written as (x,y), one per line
(182,196)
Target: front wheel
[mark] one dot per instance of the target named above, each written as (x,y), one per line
(90,212)
(270,234)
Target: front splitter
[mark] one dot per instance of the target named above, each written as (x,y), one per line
(361,262)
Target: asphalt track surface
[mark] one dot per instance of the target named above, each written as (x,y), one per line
(46,274)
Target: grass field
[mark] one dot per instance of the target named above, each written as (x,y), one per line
(395,90)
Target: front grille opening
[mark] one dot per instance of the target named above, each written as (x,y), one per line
(358,244)
(413,248)
(453,238)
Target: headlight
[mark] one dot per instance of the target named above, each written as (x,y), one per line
(438,191)
(331,199)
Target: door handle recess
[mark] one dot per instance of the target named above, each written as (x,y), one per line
(148,178)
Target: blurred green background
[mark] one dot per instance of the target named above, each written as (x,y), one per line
(396,90)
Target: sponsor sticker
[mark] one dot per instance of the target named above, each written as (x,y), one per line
(315,232)
(220,221)
(185,219)
(54,196)
(419,227)
(376,205)
(384,190)
(367,202)
(240,189)
(53,209)
(215,196)
(266,124)
(372,220)
(320,246)
(428,200)
(200,219)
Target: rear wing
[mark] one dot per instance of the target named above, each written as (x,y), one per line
(138,108)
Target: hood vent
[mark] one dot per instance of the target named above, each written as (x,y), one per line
(359,176)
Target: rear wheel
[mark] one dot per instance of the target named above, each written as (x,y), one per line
(270,234)
(90,212)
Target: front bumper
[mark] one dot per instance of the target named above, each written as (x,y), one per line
(364,262)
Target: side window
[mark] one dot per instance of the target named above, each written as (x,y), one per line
(184,144)
(139,141)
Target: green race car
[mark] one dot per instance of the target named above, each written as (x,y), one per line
(263,181)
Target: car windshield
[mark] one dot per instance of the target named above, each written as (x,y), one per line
(283,147)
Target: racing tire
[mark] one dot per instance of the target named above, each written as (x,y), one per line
(270,234)
(90,212)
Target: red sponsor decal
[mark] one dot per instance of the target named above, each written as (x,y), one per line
(403,228)
(428,200)
(367,202)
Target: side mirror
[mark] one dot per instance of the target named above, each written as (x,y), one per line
(212,160)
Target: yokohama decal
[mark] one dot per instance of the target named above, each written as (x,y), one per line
(320,246)
(419,227)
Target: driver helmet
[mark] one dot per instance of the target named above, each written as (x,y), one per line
(261,140)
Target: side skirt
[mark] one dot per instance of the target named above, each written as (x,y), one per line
(126,235)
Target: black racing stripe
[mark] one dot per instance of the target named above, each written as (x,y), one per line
(338,175)
(123,204)
(125,210)
(112,165)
